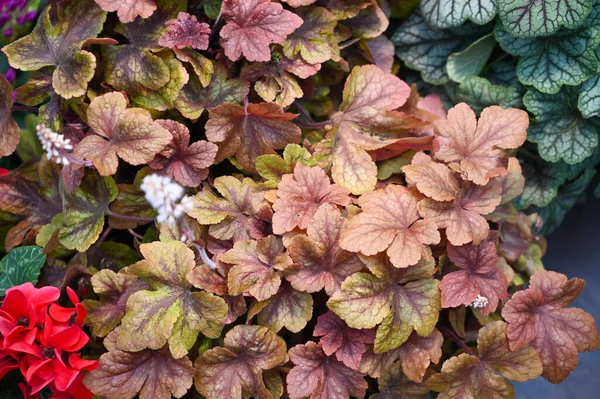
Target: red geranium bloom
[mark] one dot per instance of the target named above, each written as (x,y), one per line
(8,362)
(43,341)
(24,305)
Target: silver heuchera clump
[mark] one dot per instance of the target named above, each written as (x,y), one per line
(166,197)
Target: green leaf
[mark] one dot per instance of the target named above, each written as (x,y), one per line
(453,13)
(561,132)
(542,180)
(170,313)
(589,97)
(133,67)
(272,167)
(472,60)
(84,211)
(212,8)
(548,63)
(480,93)
(426,50)
(21,265)
(29,147)
(59,45)
(568,194)
(529,18)
(194,98)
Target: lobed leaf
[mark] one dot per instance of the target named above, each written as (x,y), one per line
(538,316)
(120,132)
(318,376)
(390,220)
(479,276)
(170,312)
(9,130)
(241,214)
(237,368)
(58,44)
(318,260)
(300,194)
(186,164)
(252,25)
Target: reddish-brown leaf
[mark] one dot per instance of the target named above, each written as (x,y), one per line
(257,267)
(252,25)
(9,130)
(185,31)
(367,121)
(237,368)
(415,355)
(114,291)
(129,133)
(453,204)
(248,132)
(319,262)
(240,215)
(288,308)
(390,220)
(299,195)
(153,374)
(476,149)
(187,164)
(539,316)
(318,376)
(479,276)
(347,343)
(469,377)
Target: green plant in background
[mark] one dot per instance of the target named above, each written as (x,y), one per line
(539,56)
(21,265)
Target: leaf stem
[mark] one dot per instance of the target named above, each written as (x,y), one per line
(136,235)
(24,108)
(348,43)
(456,339)
(104,235)
(130,218)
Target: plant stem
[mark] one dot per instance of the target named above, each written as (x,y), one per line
(348,43)
(136,235)
(130,218)
(456,339)
(316,125)
(104,235)
(76,161)
(24,108)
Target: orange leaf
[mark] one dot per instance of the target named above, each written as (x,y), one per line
(390,220)
(476,149)
(301,194)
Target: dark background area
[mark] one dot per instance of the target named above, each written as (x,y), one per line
(574,250)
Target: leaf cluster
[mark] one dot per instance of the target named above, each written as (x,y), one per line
(337,234)
(540,56)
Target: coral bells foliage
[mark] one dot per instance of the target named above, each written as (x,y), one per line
(43,340)
(252,204)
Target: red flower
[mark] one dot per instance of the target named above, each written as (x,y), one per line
(24,305)
(43,339)
(4,172)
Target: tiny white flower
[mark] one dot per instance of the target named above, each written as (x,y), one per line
(480,302)
(166,197)
(54,144)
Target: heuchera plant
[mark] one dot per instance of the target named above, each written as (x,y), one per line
(251,203)
(539,56)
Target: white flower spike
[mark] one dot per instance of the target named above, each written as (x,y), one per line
(54,144)
(480,302)
(166,196)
